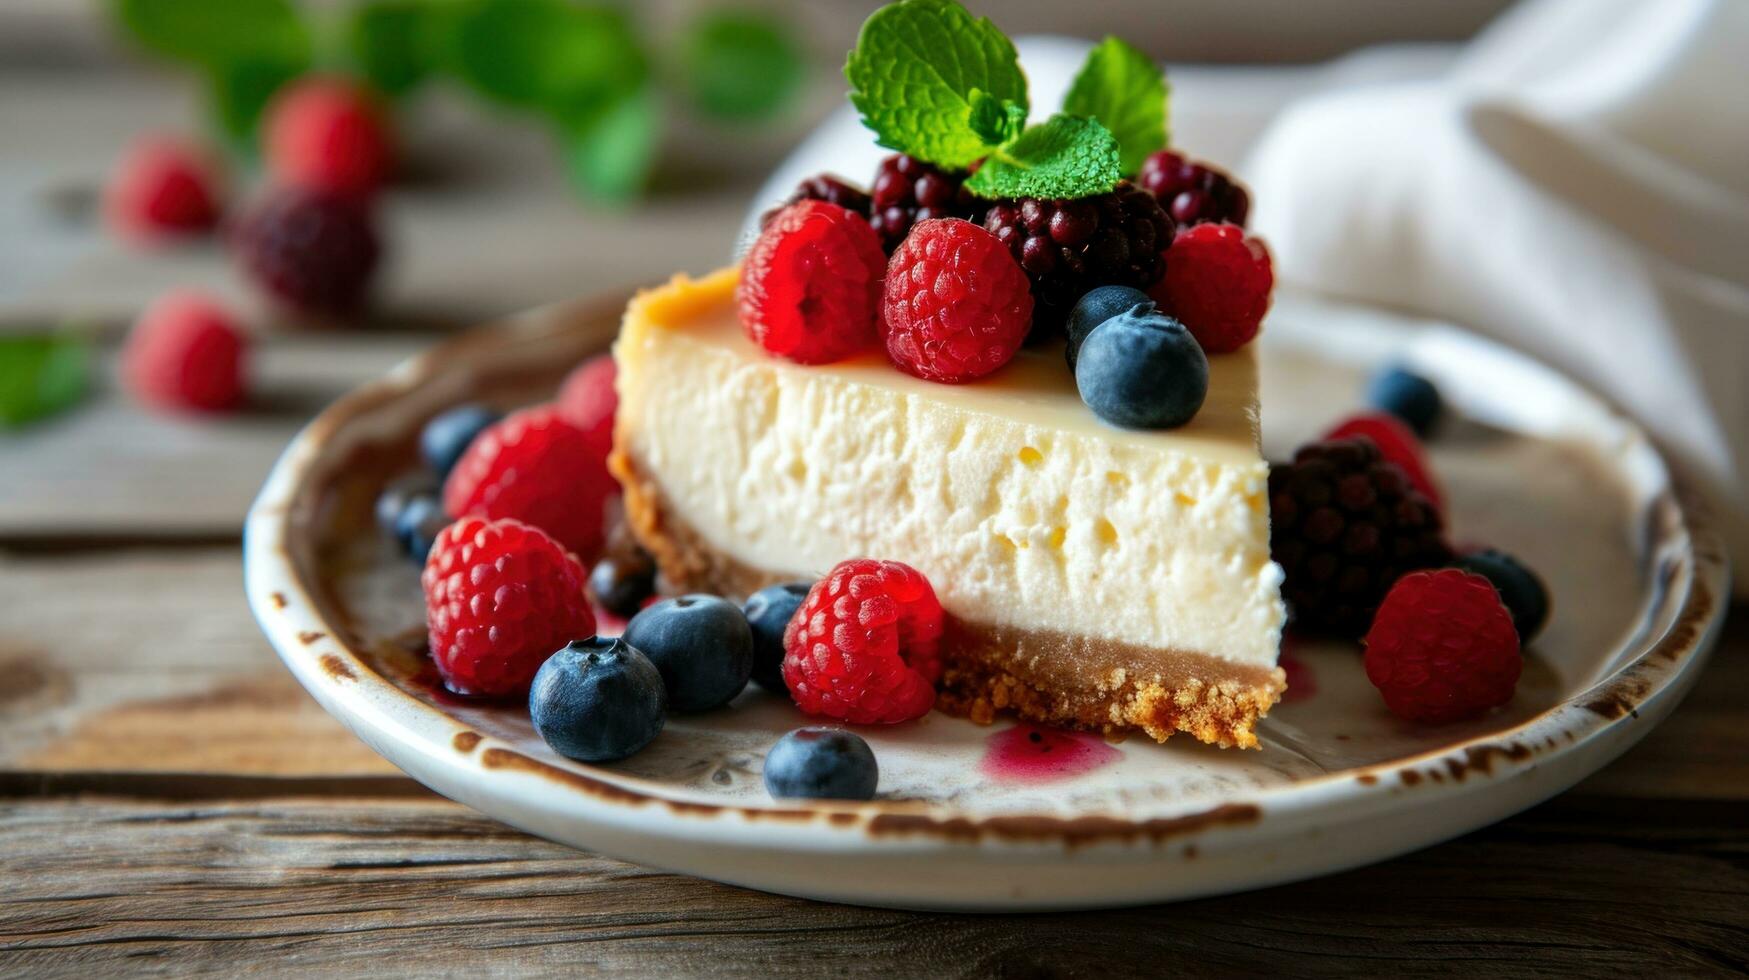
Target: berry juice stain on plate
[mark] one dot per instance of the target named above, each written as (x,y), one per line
(1301,684)
(1030,754)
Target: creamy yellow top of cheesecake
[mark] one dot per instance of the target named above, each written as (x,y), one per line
(1036,388)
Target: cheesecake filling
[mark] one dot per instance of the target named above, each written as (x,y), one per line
(1029,516)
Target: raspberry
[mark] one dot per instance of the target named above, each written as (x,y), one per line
(824,187)
(312,250)
(1192,192)
(863,647)
(1217,283)
(956,306)
(588,400)
(162,188)
(186,353)
(1069,247)
(1344,525)
(328,134)
(810,289)
(500,598)
(1397,444)
(537,468)
(1443,647)
(907,190)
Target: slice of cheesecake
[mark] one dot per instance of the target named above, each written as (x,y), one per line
(1093,577)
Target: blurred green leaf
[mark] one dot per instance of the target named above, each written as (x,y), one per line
(740,64)
(40,376)
(547,54)
(218,32)
(239,93)
(608,152)
(396,44)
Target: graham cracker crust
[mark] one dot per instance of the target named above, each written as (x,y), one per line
(1054,678)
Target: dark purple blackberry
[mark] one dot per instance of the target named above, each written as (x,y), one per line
(906,190)
(1345,525)
(1067,247)
(1193,193)
(824,187)
(312,250)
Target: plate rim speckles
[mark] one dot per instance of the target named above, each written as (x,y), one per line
(914,854)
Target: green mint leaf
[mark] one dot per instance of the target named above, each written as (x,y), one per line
(740,65)
(608,152)
(913,73)
(1067,156)
(996,121)
(213,34)
(396,44)
(1126,92)
(547,55)
(238,94)
(40,376)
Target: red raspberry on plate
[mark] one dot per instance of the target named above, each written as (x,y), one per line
(162,188)
(956,306)
(588,400)
(864,646)
(1217,283)
(1442,647)
(186,353)
(810,287)
(500,597)
(314,251)
(537,468)
(328,134)
(1397,444)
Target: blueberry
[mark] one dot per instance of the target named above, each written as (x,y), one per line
(447,436)
(597,700)
(1098,306)
(821,764)
(418,525)
(1142,370)
(1523,593)
(1408,396)
(768,612)
(623,580)
(701,644)
(394,499)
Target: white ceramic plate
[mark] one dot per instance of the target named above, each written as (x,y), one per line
(963,821)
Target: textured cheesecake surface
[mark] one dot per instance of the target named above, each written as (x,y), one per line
(1093,576)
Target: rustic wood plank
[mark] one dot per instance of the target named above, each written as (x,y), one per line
(173,676)
(110,469)
(416,887)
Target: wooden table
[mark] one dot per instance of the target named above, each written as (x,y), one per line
(171,801)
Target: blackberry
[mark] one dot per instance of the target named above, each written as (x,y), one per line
(1345,524)
(824,187)
(315,251)
(907,190)
(1191,192)
(1067,247)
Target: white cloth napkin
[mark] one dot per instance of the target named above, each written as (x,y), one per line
(1577,185)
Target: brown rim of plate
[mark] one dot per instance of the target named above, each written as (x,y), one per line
(1682,625)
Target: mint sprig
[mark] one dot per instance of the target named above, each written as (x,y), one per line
(582,69)
(1126,91)
(919,69)
(1067,156)
(937,83)
(245,49)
